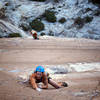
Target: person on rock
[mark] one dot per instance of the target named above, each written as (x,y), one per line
(34,34)
(41,76)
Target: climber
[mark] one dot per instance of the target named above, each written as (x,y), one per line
(41,76)
(34,34)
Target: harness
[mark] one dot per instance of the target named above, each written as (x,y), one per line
(39,80)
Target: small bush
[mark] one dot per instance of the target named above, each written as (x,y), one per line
(97,13)
(25,27)
(39,0)
(60,6)
(88,19)
(7,4)
(37,25)
(56,1)
(94,1)
(79,22)
(12,35)
(88,9)
(42,34)
(62,20)
(50,16)
(2,13)
(50,33)
(1,36)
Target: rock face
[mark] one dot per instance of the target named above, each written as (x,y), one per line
(1,4)
(27,12)
(7,28)
(23,12)
(2,10)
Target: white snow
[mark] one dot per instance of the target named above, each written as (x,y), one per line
(24,11)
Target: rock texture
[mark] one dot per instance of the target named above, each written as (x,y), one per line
(19,12)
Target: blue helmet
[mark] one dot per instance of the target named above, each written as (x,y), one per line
(39,69)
